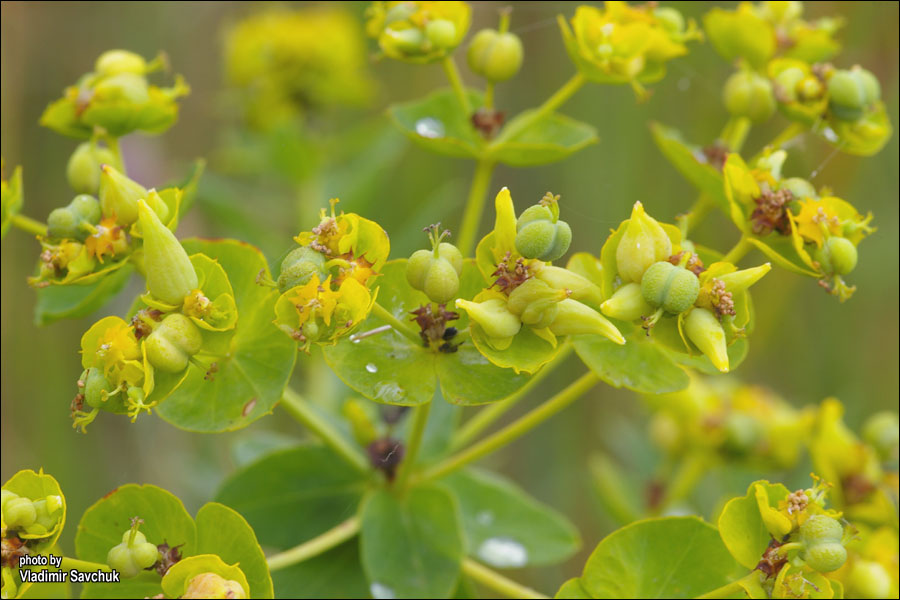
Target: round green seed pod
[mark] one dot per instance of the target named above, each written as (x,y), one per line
(441,281)
(126,87)
(83,168)
(441,33)
(19,513)
(451,253)
(826,557)
(62,224)
(842,254)
(851,91)
(799,188)
(788,82)
(671,19)
(495,56)
(819,529)
(299,266)
(114,62)
(417,268)
(747,94)
(145,554)
(172,343)
(540,235)
(673,288)
(96,387)
(86,208)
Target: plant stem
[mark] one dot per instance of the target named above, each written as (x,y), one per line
(455,81)
(689,472)
(739,251)
(559,98)
(728,590)
(516,429)
(497,582)
(82,565)
(113,144)
(300,409)
(468,229)
(734,134)
(413,443)
(398,325)
(28,225)
(789,133)
(701,207)
(489,95)
(490,413)
(316,546)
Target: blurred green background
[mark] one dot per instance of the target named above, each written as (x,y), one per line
(806,346)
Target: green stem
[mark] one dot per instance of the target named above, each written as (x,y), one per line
(559,98)
(730,589)
(516,429)
(789,133)
(489,95)
(113,144)
(490,413)
(735,133)
(82,565)
(413,444)
(497,582)
(689,473)
(300,409)
(455,81)
(28,225)
(316,546)
(481,181)
(701,208)
(398,325)
(739,251)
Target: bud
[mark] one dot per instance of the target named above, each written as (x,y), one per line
(627,303)
(851,92)
(704,330)
(114,62)
(540,234)
(837,255)
(124,87)
(83,169)
(173,343)
(535,302)
(643,243)
(495,56)
(672,288)
(493,317)
(579,287)
(299,266)
(211,585)
(748,94)
(119,195)
(575,318)
(170,274)
(741,280)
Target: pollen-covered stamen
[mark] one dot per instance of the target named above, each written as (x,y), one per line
(721,299)
(510,276)
(797,502)
(770,213)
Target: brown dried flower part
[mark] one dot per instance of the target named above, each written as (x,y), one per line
(326,228)
(139,322)
(694,264)
(715,155)
(12,550)
(856,488)
(510,276)
(770,213)
(433,327)
(772,560)
(168,556)
(488,121)
(721,299)
(797,502)
(386,455)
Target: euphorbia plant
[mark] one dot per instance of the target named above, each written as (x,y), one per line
(390,493)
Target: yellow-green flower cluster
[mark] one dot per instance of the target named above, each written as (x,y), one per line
(326,282)
(808,231)
(286,62)
(621,43)
(418,31)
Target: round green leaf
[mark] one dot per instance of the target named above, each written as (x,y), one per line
(572,589)
(439,124)
(691,163)
(179,575)
(337,573)
(548,139)
(504,527)
(223,532)
(56,302)
(293,495)
(672,557)
(255,360)
(742,528)
(411,547)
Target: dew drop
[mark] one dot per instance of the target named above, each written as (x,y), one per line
(430,128)
(371,368)
(503,553)
(380,591)
(830,135)
(484,518)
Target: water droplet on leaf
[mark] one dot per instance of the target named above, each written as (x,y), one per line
(503,553)
(430,128)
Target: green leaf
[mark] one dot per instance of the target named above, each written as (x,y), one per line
(640,365)
(439,124)
(573,590)
(37,486)
(58,302)
(255,361)
(225,533)
(672,557)
(411,547)
(337,573)
(527,353)
(102,525)
(691,163)
(290,496)
(506,528)
(48,591)
(742,528)
(549,139)
(390,368)
(179,575)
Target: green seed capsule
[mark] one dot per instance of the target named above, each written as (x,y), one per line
(643,243)
(703,328)
(74,220)
(818,529)
(170,274)
(133,555)
(747,94)
(96,387)
(851,91)
(441,281)
(540,235)
(435,272)
(213,585)
(627,304)
(495,56)
(19,513)
(124,87)
(787,82)
(441,33)
(114,62)
(837,255)
(299,266)
(173,343)
(5,496)
(673,288)
(119,195)
(83,169)
(826,557)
